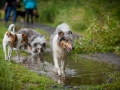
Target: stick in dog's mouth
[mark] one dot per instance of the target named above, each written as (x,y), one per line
(66,45)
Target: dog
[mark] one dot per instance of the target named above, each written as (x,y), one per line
(61,43)
(35,15)
(37,42)
(13,40)
(21,13)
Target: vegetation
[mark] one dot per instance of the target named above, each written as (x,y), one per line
(97,21)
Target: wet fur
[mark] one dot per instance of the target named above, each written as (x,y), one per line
(13,40)
(61,44)
(37,42)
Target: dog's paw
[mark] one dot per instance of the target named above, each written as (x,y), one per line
(18,61)
(63,74)
(6,59)
(59,71)
(9,58)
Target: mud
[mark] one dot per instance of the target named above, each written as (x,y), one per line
(106,57)
(81,71)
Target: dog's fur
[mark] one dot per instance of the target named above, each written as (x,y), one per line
(13,40)
(61,44)
(37,42)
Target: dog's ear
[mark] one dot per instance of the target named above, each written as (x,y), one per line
(35,44)
(25,38)
(70,32)
(24,35)
(61,33)
(44,45)
(8,34)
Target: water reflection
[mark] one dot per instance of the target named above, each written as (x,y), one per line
(35,63)
(79,72)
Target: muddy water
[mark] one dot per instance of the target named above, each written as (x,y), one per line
(79,71)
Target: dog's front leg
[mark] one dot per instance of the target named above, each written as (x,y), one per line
(57,68)
(4,48)
(63,62)
(9,53)
(18,55)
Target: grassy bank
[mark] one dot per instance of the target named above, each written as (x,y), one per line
(16,77)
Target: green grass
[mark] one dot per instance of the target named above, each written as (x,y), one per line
(16,77)
(79,14)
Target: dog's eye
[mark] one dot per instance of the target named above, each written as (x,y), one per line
(35,45)
(37,48)
(66,40)
(41,49)
(69,32)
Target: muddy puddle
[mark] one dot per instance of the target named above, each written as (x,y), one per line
(79,71)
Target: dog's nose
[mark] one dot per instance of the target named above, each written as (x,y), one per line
(8,41)
(29,44)
(73,47)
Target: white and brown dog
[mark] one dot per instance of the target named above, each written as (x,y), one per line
(61,44)
(13,40)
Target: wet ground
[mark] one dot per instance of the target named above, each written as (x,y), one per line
(79,70)
(106,57)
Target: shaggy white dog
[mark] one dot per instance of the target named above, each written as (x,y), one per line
(61,44)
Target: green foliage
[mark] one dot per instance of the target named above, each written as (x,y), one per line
(1,4)
(100,38)
(8,79)
(48,13)
(97,20)
(78,13)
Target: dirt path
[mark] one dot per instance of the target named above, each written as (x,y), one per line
(44,27)
(106,57)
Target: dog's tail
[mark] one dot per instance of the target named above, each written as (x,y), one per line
(12,28)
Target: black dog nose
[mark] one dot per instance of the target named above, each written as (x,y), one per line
(73,47)
(29,44)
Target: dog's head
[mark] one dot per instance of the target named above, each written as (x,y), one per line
(65,40)
(12,38)
(25,38)
(38,47)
